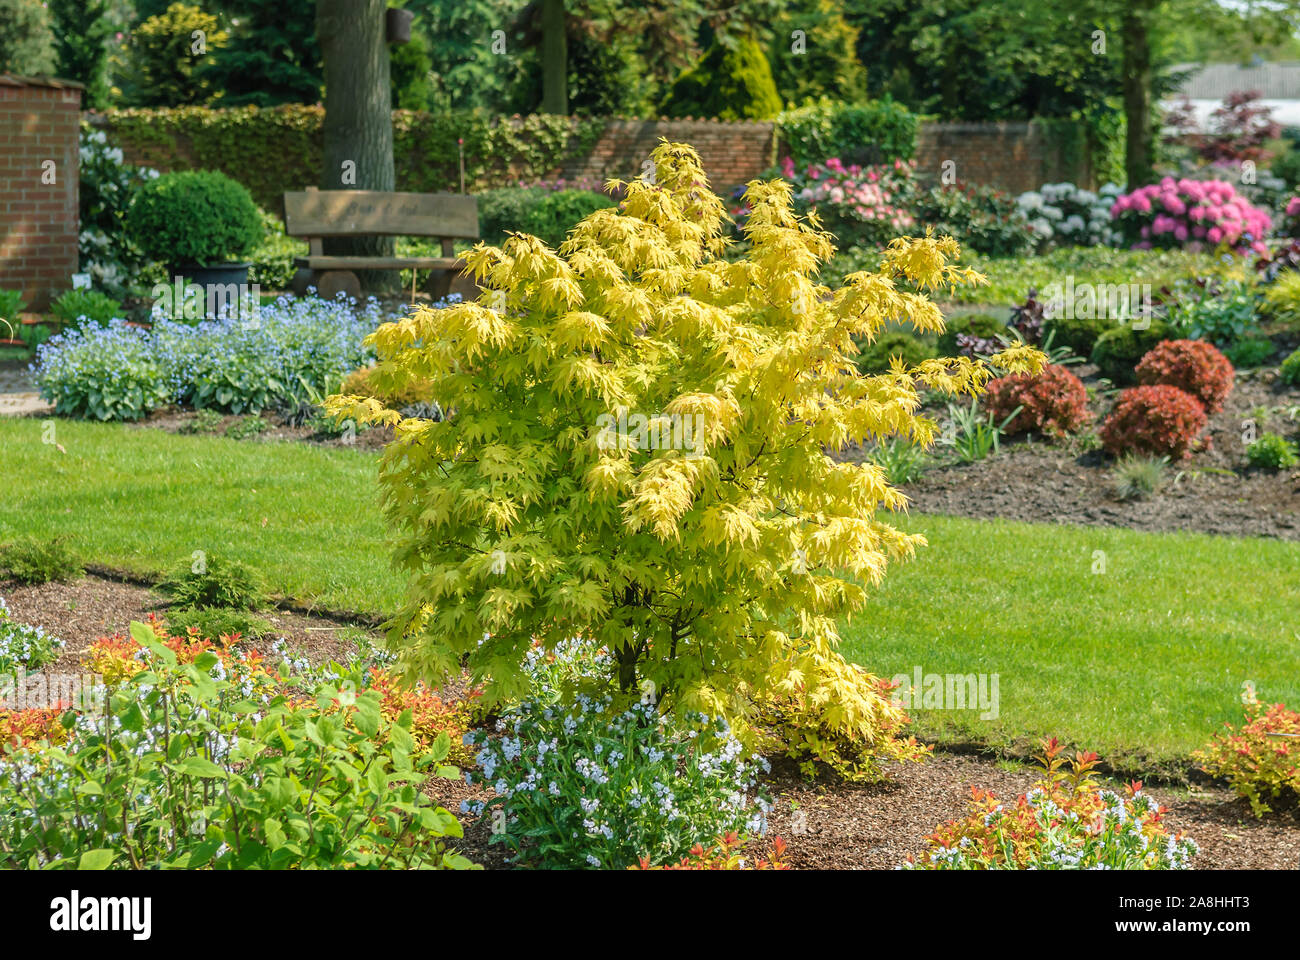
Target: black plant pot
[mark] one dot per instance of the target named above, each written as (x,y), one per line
(222,283)
(223,273)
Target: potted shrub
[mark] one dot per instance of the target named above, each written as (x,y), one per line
(199,222)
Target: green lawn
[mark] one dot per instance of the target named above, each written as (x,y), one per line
(1140,663)
(141,500)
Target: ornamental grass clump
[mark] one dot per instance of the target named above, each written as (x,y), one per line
(636,453)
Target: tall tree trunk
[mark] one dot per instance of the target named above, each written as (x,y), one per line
(1139,142)
(555,59)
(358,128)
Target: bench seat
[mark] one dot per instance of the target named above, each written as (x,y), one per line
(379,263)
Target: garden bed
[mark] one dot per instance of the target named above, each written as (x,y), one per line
(826,823)
(266,426)
(1213,491)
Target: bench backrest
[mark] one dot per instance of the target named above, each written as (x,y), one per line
(373,213)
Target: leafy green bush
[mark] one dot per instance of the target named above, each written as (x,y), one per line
(504,210)
(213,623)
(1289,371)
(729,83)
(1080,334)
(881,131)
(875,357)
(1118,351)
(980,218)
(194,217)
(75,307)
(1273,452)
(183,770)
(11,305)
(1250,352)
(212,581)
(246,427)
(1221,313)
(32,560)
(979,325)
(552,217)
(102,373)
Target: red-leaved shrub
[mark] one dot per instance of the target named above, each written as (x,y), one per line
(1193,366)
(1158,420)
(1055,401)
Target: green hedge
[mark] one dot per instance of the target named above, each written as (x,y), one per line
(879,131)
(273,150)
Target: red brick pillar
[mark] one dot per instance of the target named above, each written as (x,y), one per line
(39,170)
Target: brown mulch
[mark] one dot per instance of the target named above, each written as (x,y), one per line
(179,420)
(829,825)
(826,824)
(83,610)
(1214,491)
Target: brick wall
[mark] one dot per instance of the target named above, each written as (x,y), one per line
(1011,156)
(732,152)
(39,121)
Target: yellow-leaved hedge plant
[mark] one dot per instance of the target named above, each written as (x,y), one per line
(636,453)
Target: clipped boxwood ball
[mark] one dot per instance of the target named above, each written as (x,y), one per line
(197,217)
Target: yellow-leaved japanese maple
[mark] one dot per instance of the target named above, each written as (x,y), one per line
(637,453)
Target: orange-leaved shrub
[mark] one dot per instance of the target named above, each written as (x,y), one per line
(118,658)
(1193,366)
(1054,401)
(726,854)
(1067,821)
(32,725)
(1158,420)
(1261,761)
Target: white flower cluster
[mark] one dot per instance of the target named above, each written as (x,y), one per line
(22,646)
(584,783)
(1061,214)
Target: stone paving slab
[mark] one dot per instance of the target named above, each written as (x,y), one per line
(22,404)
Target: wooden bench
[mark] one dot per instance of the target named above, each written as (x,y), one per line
(314,214)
